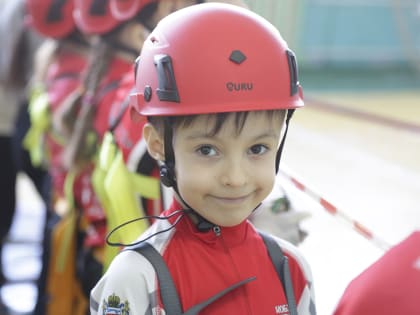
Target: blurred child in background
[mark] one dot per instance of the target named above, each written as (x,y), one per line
(59,66)
(16,65)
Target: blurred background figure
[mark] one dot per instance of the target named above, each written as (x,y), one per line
(11,92)
(114,46)
(59,66)
(18,46)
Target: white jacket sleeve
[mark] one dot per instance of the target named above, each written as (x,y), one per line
(128,287)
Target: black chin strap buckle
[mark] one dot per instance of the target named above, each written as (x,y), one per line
(167,175)
(203,225)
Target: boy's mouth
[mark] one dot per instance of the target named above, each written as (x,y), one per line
(232,199)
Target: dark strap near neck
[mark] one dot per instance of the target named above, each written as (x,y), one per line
(281,265)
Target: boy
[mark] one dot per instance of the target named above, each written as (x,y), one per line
(218,84)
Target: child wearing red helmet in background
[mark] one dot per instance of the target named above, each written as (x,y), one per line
(218,85)
(59,65)
(75,73)
(111,56)
(18,44)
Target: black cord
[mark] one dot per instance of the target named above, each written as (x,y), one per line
(181,214)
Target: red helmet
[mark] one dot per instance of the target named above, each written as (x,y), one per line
(211,58)
(52,18)
(94,16)
(126,134)
(126,9)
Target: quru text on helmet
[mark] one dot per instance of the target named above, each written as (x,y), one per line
(239,86)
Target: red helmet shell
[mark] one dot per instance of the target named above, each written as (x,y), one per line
(51,18)
(211,58)
(124,10)
(126,134)
(94,16)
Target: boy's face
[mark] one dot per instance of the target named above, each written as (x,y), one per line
(225,176)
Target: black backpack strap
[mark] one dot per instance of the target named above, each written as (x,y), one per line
(281,265)
(170,298)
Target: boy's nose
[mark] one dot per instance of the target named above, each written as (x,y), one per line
(234,173)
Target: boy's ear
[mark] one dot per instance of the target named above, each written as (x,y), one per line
(154,142)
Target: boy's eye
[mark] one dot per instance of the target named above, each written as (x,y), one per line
(207,150)
(258,149)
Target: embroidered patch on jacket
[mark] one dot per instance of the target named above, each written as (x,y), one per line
(114,306)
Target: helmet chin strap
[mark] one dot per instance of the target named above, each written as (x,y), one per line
(167,167)
(289,115)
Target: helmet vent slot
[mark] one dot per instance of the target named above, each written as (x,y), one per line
(294,82)
(167,90)
(55,12)
(98,8)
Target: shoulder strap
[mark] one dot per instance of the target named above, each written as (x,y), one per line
(102,91)
(170,298)
(281,265)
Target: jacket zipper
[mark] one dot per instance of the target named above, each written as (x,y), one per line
(218,232)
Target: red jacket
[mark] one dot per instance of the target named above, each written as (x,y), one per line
(203,264)
(390,286)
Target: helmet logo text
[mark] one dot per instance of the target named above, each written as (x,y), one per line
(239,86)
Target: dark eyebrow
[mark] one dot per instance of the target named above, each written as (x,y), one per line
(269,134)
